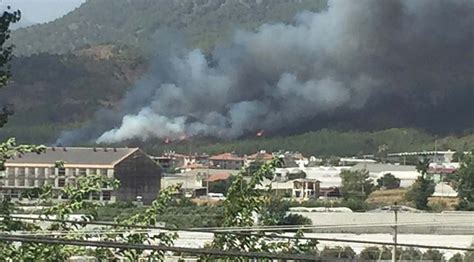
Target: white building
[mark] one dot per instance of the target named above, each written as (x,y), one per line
(406,174)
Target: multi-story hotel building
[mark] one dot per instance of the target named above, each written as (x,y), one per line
(139,176)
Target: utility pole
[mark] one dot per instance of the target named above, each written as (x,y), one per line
(207,180)
(395,209)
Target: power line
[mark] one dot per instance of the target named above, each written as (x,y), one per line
(238,229)
(200,251)
(248,234)
(304,227)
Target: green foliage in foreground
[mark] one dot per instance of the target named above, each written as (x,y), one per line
(356,184)
(388,181)
(465,183)
(422,189)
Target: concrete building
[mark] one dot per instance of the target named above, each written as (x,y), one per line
(328,177)
(298,189)
(226,161)
(193,181)
(433,156)
(261,156)
(406,174)
(139,175)
(348,161)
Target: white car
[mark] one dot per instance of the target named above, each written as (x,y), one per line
(216,196)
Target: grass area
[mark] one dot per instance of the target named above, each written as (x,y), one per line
(388,197)
(443,203)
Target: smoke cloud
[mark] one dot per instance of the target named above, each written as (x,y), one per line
(354,56)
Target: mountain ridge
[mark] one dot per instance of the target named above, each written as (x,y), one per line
(136,23)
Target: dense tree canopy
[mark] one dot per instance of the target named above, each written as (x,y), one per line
(356,184)
(465,183)
(8,17)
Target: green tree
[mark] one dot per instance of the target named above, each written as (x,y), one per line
(465,183)
(275,212)
(356,184)
(409,254)
(338,252)
(375,253)
(8,17)
(458,257)
(388,181)
(221,186)
(423,188)
(244,207)
(433,255)
(293,176)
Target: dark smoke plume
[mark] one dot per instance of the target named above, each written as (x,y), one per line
(394,57)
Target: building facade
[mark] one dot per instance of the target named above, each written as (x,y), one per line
(226,161)
(139,176)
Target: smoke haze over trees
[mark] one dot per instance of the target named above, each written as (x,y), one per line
(406,60)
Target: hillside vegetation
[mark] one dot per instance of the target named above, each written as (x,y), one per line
(49,92)
(142,23)
(324,142)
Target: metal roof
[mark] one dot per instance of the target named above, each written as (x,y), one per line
(75,156)
(382,167)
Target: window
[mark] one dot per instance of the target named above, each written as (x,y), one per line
(103,172)
(64,196)
(30,182)
(92,171)
(15,194)
(61,171)
(61,182)
(41,172)
(95,196)
(30,172)
(82,171)
(40,182)
(106,196)
(21,182)
(21,171)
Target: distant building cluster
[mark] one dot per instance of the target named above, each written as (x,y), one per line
(142,176)
(303,177)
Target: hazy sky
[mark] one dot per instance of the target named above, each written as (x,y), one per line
(41,11)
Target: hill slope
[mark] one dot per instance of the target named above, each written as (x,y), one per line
(138,23)
(323,142)
(52,91)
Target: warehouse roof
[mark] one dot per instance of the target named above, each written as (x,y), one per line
(75,156)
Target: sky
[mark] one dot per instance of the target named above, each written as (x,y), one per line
(41,11)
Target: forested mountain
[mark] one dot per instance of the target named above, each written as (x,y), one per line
(139,23)
(323,143)
(69,68)
(48,92)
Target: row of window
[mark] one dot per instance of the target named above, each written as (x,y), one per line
(106,195)
(36,182)
(21,171)
(60,182)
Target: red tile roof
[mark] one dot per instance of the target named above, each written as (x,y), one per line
(217,177)
(226,156)
(258,155)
